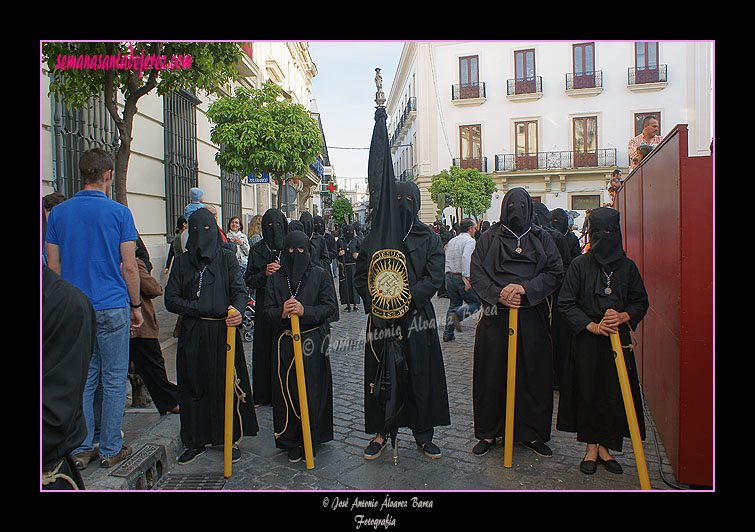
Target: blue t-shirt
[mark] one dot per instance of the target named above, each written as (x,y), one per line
(89,229)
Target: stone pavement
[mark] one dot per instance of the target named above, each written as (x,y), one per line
(339,464)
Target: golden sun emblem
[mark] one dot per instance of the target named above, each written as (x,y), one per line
(388,283)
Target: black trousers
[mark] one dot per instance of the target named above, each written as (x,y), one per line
(149,364)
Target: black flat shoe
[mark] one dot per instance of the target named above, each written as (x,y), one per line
(612,466)
(588,467)
(430,449)
(374,449)
(483,446)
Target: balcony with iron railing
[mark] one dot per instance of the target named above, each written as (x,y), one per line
(527,86)
(481,163)
(468,91)
(647,77)
(551,160)
(584,83)
(404,120)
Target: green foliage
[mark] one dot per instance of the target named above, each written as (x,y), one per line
(262,132)
(341,207)
(468,188)
(212,65)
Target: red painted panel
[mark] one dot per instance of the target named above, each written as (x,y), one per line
(666,219)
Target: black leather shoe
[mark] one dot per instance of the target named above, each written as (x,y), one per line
(588,467)
(539,448)
(374,449)
(612,466)
(430,449)
(483,446)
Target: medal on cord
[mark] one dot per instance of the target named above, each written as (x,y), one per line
(201,274)
(608,282)
(518,238)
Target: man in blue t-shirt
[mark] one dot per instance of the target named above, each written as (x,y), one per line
(91,243)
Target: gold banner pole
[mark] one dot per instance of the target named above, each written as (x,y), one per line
(230,367)
(302,386)
(634,429)
(508,438)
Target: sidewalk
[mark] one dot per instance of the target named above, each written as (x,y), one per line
(339,464)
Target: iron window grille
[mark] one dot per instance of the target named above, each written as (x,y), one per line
(75,131)
(180,158)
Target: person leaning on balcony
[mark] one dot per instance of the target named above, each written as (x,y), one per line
(648,136)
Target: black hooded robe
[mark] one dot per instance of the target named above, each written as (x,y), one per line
(350,244)
(538,269)
(427,403)
(69,328)
(201,351)
(317,295)
(264,252)
(590,400)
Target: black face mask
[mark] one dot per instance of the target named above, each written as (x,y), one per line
(274,228)
(560,221)
(294,263)
(203,242)
(517,210)
(309,223)
(319,225)
(605,235)
(408,197)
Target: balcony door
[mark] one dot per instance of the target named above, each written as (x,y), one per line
(524,75)
(526,145)
(646,62)
(585,141)
(584,65)
(468,77)
(471,146)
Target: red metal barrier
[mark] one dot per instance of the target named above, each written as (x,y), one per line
(667,218)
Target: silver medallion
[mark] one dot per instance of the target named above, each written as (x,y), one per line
(608,290)
(518,250)
(198,291)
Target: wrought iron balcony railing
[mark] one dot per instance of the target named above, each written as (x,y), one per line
(638,76)
(547,160)
(586,80)
(411,105)
(471,90)
(481,163)
(524,86)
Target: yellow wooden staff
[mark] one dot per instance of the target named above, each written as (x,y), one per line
(230,367)
(302,386)
(508,435)
(634,430)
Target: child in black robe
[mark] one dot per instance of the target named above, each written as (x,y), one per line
(602,293)
(302,288)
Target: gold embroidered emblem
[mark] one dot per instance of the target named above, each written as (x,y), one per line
(388,283)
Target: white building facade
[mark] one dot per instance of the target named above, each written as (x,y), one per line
(552,117)
(171,147)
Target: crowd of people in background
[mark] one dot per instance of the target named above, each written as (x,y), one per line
(570,297)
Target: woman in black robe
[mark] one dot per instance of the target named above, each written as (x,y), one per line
(264,259)
(515,264)
(302,288)
(348,246)
(603,292)
(204,284)
(426,405)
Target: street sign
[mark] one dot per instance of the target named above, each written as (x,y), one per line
(258,178)
(332,187)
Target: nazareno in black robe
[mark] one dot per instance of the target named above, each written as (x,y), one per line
(69,328)
(427,404)
(539,270)
(317,295)
(590,400)
(264,252)
(201,350)
(350,244)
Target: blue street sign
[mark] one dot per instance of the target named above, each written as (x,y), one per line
(258,178)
